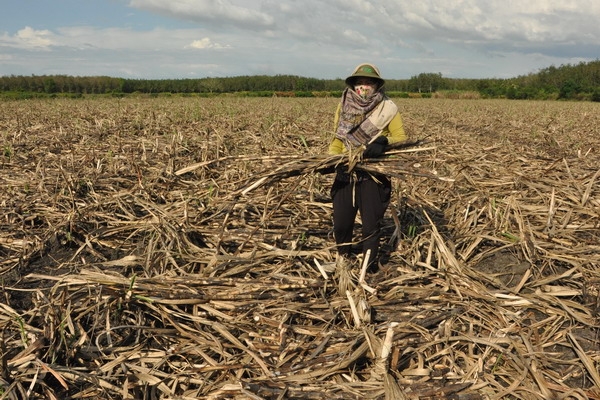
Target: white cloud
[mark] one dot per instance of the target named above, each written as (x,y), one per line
(205,43)
(157,39)
(509,24)
(28,38)
(220,11)
(355,37)
(32,38)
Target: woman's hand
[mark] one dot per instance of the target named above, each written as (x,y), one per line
(376,148)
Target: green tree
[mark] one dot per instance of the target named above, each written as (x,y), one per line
(569,89)
(49,85)
(426,82)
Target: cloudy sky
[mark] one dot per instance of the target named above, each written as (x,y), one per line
(325,39)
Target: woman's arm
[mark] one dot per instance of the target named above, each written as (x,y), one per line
(336,146)
(395,130)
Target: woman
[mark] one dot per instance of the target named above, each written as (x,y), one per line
(365,117)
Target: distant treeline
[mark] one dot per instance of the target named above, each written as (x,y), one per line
(573,82)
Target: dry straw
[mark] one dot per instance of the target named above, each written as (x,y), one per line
(181,248)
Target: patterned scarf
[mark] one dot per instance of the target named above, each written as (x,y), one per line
(362,119)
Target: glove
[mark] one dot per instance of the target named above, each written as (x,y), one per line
(376,148)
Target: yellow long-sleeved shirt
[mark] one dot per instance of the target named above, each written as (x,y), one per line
(394,131)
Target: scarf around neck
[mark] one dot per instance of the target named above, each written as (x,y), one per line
(362,119)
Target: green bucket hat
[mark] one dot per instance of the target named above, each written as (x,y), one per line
(366,71)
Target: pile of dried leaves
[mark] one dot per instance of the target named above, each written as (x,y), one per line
(181,248)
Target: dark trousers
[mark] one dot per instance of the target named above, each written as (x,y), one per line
(359,193)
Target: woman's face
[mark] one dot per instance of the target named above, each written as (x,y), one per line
(365,87)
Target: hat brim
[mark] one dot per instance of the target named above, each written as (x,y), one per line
(350,81)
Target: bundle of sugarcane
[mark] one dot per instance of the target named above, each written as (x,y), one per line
(400,159)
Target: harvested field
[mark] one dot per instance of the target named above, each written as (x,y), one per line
(181,248)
